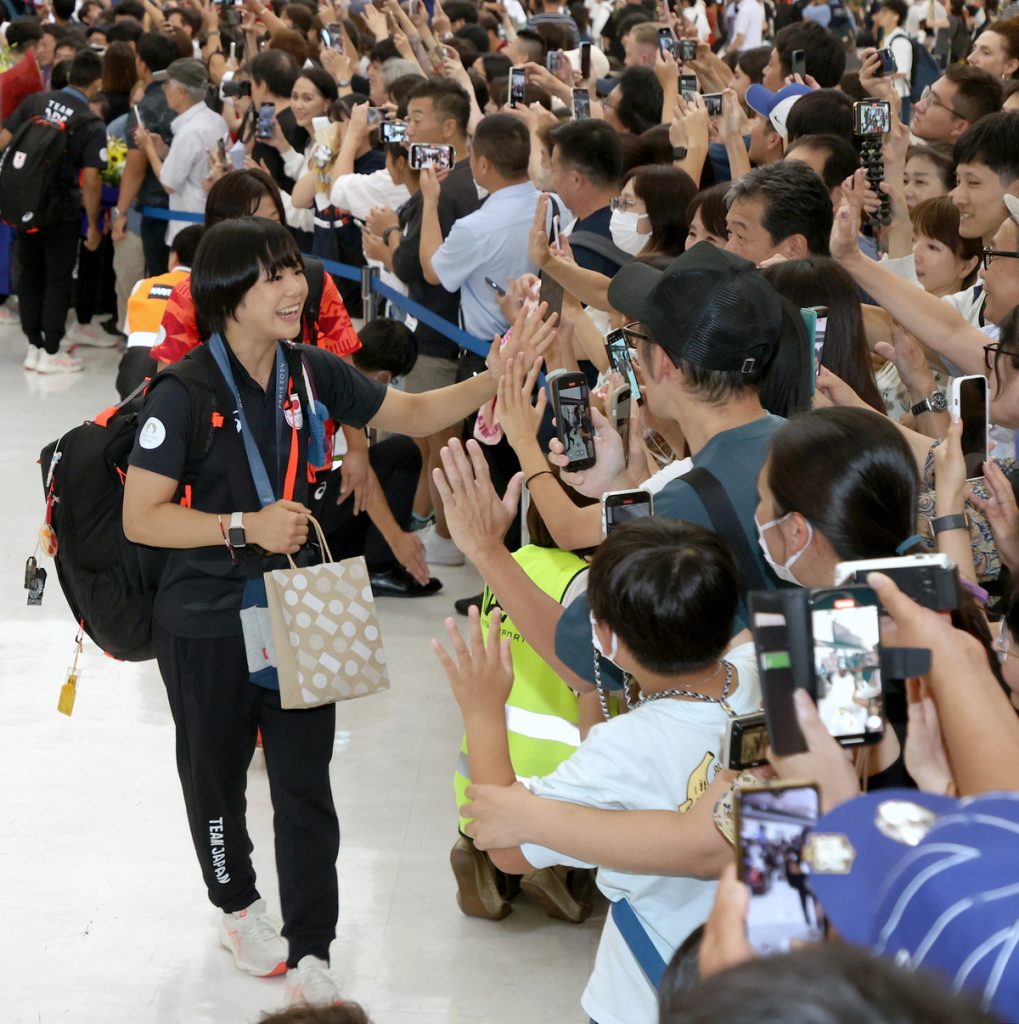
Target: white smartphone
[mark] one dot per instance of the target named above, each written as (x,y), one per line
(138,116)
(555,230)
(969,402)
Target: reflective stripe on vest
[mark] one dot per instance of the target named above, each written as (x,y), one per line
(541,713)
(146,306)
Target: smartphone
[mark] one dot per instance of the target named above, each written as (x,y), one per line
(618,507)
(221,152)
(687,49)
(713,104)
(266,118)
(688,87)
(745,742)
(554,61)
(581,104)
(773,823)
(497,288)
(931,580)
(585,61)
(619,360)
(618,409)
(798,63)
(572,407)
(666,40)
(138,116)
(517,82)
(555,230)
(775,667)
(872,117)
(393,131)
(332,37)
(820,332)
(968,402)
(846,637)
(233,52)
(424,154)
(889,65)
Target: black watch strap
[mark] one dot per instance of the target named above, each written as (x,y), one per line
(679,152)
(942,524)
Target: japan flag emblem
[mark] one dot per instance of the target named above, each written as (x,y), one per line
(19,160)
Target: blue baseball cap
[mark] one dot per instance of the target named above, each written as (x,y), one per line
(775,106)
(928,881)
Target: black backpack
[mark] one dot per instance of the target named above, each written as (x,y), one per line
(109,582)
(30,193)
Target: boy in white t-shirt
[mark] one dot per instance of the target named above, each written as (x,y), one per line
(663,595)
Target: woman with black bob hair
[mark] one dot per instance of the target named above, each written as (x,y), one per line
(820,281)
(248,491)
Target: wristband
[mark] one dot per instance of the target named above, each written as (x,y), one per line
(943,524)
(541,472)
(226,540)
(388,232)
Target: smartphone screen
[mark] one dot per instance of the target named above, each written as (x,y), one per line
(581,104)
(428,155)
(972,410)
(573,420)
(820,331)
(688,87)
(266,117)
(713,104)
(619,413)
(517,82)
(798,63)
(621,507)
(393,131)
(666,41)
(872,117)
(773,827)
(619,360)
(688,49)
(847,652)
(332,38)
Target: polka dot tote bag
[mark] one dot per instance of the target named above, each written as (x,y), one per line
(326,632)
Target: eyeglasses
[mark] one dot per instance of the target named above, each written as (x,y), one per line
(988,256)
(929,96)
(631,330)
(622,203)
(996,349)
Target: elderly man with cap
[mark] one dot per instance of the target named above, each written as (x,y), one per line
(183,167)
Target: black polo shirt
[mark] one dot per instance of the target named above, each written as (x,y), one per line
(200,589)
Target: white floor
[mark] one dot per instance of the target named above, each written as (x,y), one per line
(103,916)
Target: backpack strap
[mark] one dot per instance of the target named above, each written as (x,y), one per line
(727,525)
(637,940)
(601,245)
(195,372)
(314,273)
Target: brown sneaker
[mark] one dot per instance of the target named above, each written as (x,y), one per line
(477,886)
(549,888)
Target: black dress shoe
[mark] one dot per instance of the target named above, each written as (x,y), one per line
(463,606)
(397,582)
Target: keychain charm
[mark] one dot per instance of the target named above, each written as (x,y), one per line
(35,581)
(65,702)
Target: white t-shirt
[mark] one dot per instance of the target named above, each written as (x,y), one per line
(749,24)
(903,50)
(661,756)
(921,12)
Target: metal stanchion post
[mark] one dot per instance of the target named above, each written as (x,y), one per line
(369,297)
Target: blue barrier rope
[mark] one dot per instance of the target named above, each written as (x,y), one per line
(350,273)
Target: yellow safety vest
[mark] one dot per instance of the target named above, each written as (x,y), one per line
(541,713)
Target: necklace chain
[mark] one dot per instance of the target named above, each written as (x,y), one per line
(647,698)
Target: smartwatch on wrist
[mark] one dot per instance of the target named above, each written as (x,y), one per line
(236,533)
(679,152)
(934,402)
(942,524)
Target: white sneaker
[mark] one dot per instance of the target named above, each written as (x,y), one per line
(91,336)
(440,550)
(61,362)
(310,983)
(32,358)
(255,941)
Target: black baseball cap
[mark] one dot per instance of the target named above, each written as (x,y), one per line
(708,307)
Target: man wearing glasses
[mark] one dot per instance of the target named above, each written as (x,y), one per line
(955,101)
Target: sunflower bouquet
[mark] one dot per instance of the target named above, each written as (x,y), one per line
(116,157)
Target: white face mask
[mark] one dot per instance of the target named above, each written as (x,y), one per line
(623,227)
(596,643)
(785,570)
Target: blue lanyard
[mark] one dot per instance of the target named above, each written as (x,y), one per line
(266,494)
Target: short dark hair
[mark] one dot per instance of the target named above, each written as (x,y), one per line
(840,156)
(190,17)
(130,9)
(796,202)
(185,244)
(386,344)
(324,82)
(941,155)
(898,7)
(383,50)
(753,62)
(994,142)
(666,192)
(628,18)
(63,9)
(669,591)
(277,70)
(505,142)
(640,99)
(461,9)
(978,92)
(86,68)
(712,206)
(938,218)
(60,74)
(232,257)
(591,148)
(824,55)
(156,51)
(20,33)
(823,111)
(238,193)
(496,65)
(533,43)
(475,35)
(449,100)
(829,983)
(128,31)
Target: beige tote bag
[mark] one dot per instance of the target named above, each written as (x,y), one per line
(326,633)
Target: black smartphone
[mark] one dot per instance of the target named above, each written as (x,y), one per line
(332,37)
(497,288)
(687,49)
(846,635)
(572,407)
(585,61)
(619,360)
(393,131)
(581,104)
(798,63)
(618,507)
(221,152)
(872,118)
(435,155)
(618,410)
(773,824)
(666,40)
(517,83)
(266,117)
(688,87)
(968,402)
(713,104)
(889,65)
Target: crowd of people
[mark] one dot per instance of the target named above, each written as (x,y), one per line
(774,247)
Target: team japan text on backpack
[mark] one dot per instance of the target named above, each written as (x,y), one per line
(30,197)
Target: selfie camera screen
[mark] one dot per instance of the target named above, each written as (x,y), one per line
(846,666)
(619,356)
(627,511)
(774,825)
(576,424)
